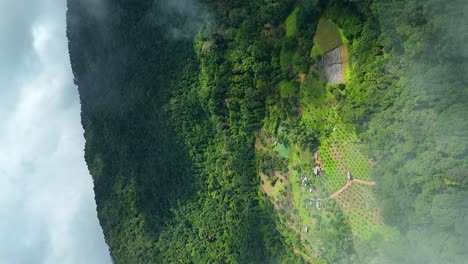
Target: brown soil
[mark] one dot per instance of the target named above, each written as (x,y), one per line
(266,186)
(344,187)
(301,76)
(370,183)
(335,194)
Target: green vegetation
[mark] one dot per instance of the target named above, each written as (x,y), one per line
(291,24)
(374,117)
(406,98)
(313,90)
(316,52)
(286,59)
(328,35)
(283,150)
(287,89)
(201,127)
(169,131)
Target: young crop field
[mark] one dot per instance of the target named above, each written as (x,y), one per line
(328,35)
(341,152)
(345,62)
(359,205)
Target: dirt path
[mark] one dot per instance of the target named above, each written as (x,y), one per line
(301,77)
(339,191)
(370,183)
(335,194)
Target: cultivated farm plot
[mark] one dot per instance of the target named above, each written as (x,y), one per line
(328,35)
(359,205)
(330,42)
(341,153)
(334,176)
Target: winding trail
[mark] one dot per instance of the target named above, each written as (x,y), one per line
(339,191)
(370,183)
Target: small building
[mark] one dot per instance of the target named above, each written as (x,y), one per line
(318,205)
(349,177)
(317,160)
(318,171)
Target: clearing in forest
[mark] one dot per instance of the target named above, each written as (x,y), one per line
(285,158)
(281,188)
(342,152)
(330,44)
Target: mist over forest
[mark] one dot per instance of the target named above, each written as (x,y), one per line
(213,134)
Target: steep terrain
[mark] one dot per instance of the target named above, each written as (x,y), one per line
(206,123)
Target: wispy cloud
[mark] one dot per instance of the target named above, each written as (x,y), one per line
(47,203)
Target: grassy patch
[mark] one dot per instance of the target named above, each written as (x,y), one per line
(283,150)
(291,23)
(316,52)
(343,38)
(328,35)
(320,118)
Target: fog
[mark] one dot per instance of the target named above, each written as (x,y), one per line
(429,137)
(46,196)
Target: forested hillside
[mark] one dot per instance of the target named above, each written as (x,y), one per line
(202,119)
(172,163)
(419,138)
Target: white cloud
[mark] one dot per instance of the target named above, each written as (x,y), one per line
(47,203)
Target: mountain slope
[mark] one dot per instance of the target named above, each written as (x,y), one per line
(202,118)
